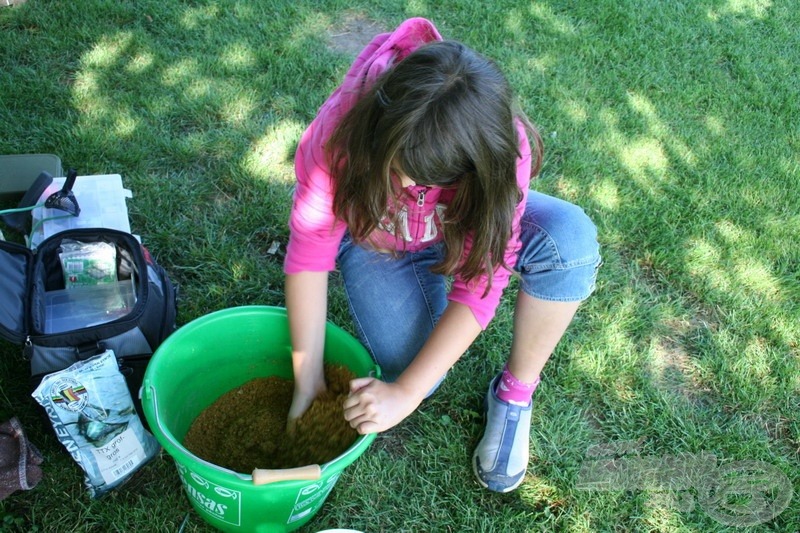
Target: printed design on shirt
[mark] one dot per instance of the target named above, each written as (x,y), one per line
(432,222)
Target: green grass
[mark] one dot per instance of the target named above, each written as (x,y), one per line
(676,125)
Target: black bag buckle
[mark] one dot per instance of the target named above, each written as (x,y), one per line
(89,349)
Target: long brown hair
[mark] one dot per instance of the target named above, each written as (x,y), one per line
(446,116)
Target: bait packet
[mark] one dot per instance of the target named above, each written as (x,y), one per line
(87,263)
(92,413)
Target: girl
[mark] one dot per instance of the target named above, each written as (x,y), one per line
(416,169)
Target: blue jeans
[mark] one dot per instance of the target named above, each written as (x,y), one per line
(396,301)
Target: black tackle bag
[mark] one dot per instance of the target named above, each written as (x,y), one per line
(59,322)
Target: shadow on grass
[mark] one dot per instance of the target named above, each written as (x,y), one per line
(686,163)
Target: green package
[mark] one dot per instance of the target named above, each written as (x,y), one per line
(88,263)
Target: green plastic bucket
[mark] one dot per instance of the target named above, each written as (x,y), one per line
(210,356)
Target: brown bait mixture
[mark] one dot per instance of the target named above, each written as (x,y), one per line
(245,428)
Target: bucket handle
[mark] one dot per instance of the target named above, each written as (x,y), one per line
(152,392)
(262,476)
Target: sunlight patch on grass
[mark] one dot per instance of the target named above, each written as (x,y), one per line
(125,124)
(88,92)
(626,388)
(238,55)
(749,271)
(791,166)
(753,363)
(180,72)
(535,490)
(200,88)
(140,63)
(195,142)
(86,83)
(108,51)
(661,510)
(271,156)
(418,8)
(96,108)
(593,364)
(703,258)
(789,330)
(569,189)
(746,276)
(645,158)
(582,522)
(239,109)
(750,363)
(555,21)
(656,127)
(758,278)
(751,8)
(796,378)
(240,271)
(645,107)
(574,109)
(610,121)
(540,63)
(669,363)
(282,104)
(196,17)
(730,231)
(312,28)
(514,22)
(606,194)
(614,338)
(715,125)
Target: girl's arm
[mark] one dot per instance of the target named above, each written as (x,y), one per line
(375,406)
(307,307)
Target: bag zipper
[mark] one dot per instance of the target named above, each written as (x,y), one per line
(27,349)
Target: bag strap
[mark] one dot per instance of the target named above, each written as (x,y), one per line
(89,349)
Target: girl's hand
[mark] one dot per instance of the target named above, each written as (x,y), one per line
(374,405)
(301,401)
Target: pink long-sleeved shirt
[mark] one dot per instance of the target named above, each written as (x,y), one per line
(315,233)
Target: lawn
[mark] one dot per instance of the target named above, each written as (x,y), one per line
(675,124)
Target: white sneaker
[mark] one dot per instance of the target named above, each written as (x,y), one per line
(501,457)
